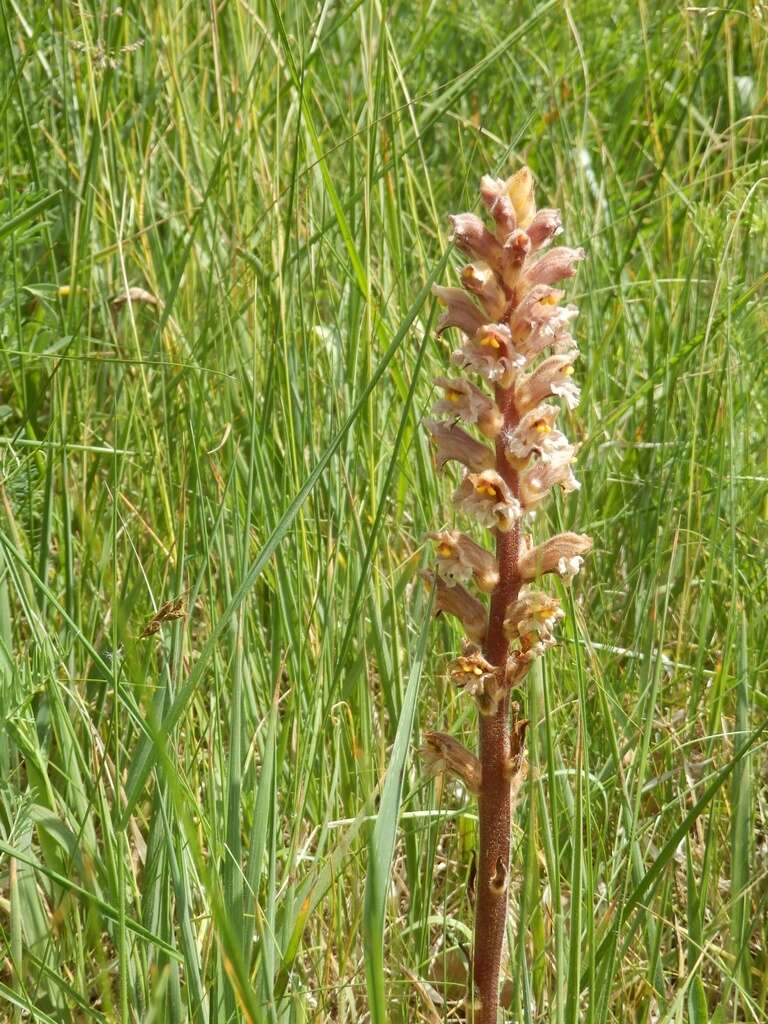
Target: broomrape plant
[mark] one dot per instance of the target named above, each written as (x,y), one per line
(515,336)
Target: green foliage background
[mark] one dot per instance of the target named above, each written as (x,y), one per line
(186,818)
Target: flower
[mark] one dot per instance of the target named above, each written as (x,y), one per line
(547,473)
(469,403)
(473,237)
(534,433)
(455,600)
(461,311)
(479,279)
(443,753)
(545,226)
(455,444)
(490,353)
(471,672)
(561,554)
(553,376)
(533,616)
(555,265)
(520,191)
(487,496)
(538,322)
(497,200)
(460,559)
(479,678)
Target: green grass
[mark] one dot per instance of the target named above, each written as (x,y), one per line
(188,820)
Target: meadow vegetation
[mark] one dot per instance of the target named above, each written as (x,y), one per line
(219,225)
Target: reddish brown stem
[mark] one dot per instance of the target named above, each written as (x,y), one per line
(494,799)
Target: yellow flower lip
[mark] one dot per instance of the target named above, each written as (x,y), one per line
(453,396)
(483,488)
(489,341)
(542,427)
(568,371)
(445,551)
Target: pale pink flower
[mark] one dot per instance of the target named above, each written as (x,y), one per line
(491,354)
(534,434)
(554,266)
(553,376)
(545,226)
(561,554)
(461,311)
(496,198)
(479,279)
(467,402)
(552,471)
(473,237)
(487,497)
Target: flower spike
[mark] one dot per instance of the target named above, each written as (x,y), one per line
(515,334)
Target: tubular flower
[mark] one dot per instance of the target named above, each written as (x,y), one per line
(454,444)
(562,554)
(459,559)
(453,599)
(516,335)
(460,312)
(490,353)
(520,191)
(487,496)
(471,672)
(556,265)
(533,614)
(466,401)
(539,323)
(534,434)
(554,471)
(545,226)
(443,753)
(473,237)
(479,279)
(553,376)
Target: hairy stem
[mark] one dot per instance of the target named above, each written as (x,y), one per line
(494,798)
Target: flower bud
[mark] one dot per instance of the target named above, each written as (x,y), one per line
(520,190)
(500,206)
(544,227)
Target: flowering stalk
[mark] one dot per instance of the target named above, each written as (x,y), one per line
(515,336)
